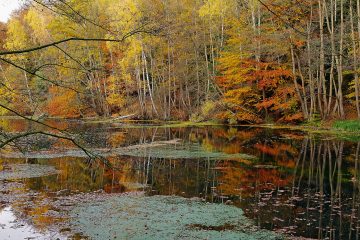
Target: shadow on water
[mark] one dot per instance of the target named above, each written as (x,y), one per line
(298,184)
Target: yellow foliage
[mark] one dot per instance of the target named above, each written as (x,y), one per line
(37,22)
(16,35)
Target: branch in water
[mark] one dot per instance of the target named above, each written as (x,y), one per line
(65,135)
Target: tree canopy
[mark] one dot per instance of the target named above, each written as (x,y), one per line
(236,61)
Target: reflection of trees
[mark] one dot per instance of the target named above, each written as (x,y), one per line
(323,199)
(166,176)
(330,178)
(31,207)
(315,183)
(300,184)
(75,174)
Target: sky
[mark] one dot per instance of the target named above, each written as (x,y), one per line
(7,7)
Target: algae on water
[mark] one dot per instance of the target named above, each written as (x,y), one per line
(181,151)
(163,217)
(19,171)
(172,149)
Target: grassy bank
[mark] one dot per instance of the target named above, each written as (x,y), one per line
(349,125)
(349,130)
(345,128)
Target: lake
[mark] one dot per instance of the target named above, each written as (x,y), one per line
(288,183)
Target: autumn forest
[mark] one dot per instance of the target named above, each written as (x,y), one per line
(250,61)
(180,119)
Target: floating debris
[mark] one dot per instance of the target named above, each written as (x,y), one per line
(20,171)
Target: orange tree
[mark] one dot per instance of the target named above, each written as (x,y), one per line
(254,71)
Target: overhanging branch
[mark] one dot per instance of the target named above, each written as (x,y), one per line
(12,52)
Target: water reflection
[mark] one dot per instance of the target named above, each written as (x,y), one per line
(13,227)
(300,184)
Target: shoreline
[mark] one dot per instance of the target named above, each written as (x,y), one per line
(175,124)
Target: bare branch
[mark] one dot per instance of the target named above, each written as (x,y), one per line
(39,76)
(75,39)
(281,19)
(30,119)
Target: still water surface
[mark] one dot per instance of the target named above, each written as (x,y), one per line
(295,183)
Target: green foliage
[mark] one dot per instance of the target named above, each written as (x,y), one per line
(315,121)
(349,125)
(207,111)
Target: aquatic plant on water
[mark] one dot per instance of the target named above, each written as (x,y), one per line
(163,217)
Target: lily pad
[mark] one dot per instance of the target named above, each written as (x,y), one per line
(20,171)
(163,217)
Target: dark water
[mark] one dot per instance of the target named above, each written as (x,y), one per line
(301,184)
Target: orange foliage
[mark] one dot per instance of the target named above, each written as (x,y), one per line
(62,102)
(250,85)
(277,149)
(245,178)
